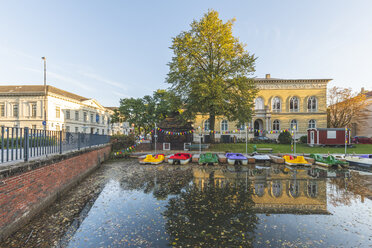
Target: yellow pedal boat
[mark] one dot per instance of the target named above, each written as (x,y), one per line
(149,159)
(299,160)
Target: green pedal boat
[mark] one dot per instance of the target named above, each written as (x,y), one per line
(328,161)
(208,159)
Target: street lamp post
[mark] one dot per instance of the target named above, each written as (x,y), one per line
(45,93)
(246,139)
(346,139)
(200,137)
(294,140)
(155,136)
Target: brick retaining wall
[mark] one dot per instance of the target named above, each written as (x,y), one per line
(27,188)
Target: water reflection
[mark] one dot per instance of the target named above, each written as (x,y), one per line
(201,206)
(160,181)
(213,206)
(273,189)
(212,212)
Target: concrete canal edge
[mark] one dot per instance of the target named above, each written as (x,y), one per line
(26,189)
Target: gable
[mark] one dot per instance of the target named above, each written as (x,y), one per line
(93,103)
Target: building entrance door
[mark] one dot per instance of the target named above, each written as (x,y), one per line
(258,126)
(312,135)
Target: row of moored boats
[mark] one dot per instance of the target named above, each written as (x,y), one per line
(240,159)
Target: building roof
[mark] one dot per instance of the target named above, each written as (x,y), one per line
(112,108)
(37,90)
(271,80)
(368,94)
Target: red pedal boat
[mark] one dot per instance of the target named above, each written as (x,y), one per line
(180,158)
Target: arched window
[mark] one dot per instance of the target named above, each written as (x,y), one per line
(258,103)
(312,104)
(294,125)
(312,124)
(294,188)
(312,189)
(224,125)
(259,189)
(206,125)
(276,125)
(276,188)
(277,104)
(294,104)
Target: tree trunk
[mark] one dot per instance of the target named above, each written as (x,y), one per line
(212,120)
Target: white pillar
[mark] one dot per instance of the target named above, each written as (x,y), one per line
(270,124)
(267,123)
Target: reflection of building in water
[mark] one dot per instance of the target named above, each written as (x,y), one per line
(273,190)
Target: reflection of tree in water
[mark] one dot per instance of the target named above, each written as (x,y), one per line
(212,217)
(160,182)
(349,189)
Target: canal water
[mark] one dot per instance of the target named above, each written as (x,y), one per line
(124,204)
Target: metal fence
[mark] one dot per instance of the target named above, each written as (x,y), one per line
(25,143)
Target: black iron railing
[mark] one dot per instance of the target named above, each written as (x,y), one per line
(25,143)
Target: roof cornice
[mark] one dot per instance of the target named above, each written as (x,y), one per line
(290,81)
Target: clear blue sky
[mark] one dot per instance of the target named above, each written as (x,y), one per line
(108,50)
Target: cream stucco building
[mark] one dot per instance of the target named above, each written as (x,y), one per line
(280,104)
(23,106)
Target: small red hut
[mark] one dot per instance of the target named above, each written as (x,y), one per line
(328,136)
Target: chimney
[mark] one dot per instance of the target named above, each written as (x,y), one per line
(362,90)
(267,76)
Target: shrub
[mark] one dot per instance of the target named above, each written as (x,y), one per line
(121,141)
(285,138)
(303,139)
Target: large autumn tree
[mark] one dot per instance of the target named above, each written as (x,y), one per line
(211,69)
(344,106)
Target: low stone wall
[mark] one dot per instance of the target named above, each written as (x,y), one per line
(28,188)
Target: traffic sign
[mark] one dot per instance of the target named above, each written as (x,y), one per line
(44,123)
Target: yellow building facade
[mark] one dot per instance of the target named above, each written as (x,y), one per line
(273,191)
(280,104)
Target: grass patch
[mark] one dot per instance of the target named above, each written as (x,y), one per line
(300,148)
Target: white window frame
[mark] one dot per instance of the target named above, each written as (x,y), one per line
(292,124)
(15,105)
(33,107)
(2,109)
(274,104)
(68,114)
(312,123)
(223,123)
(292,101)
(331,134)
(311,100)
(274,123)
(58,112)
(259,103)
(166,146)
(207,125)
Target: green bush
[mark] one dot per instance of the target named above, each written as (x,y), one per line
(121,141)
(303,139)
(285,138)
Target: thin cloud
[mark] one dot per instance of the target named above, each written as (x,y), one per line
(104,80)
(121,95)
